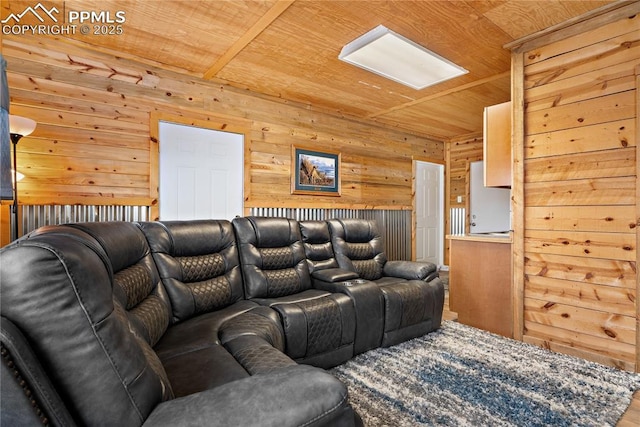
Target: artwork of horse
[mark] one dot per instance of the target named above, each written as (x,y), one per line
(310,175)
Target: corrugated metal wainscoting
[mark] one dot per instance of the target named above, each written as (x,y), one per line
(34,216)
(394,225)
(458,220)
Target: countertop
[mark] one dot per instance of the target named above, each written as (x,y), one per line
(484,237)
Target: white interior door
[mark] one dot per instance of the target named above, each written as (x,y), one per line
(201,173)
(429,212)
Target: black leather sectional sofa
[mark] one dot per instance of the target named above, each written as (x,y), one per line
(209,322)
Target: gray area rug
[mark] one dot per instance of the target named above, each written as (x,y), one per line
(462,376)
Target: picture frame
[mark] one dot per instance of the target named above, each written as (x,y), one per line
(315,172)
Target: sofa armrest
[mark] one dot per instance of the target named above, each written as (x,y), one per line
(26,388)
(333,275)
(368,303)
(411,270)
(292,396)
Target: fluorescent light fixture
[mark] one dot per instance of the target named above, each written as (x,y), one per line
(395,57)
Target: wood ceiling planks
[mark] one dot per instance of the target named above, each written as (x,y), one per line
(289,49)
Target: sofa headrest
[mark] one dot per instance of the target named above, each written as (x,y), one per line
(189,238)
(123,242)
(359,230)
(317,245)
(315,232)
(274,232)
(49,231)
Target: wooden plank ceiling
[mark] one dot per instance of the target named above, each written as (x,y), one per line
(289,50)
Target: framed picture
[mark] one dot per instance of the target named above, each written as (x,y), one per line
(315,172)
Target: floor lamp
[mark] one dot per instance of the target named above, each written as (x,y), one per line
(18,127)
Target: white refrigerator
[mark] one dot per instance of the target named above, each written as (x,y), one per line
(489,207)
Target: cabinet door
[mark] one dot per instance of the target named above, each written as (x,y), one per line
(497,145)
(480,285)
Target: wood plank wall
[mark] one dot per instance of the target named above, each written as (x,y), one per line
(458,155)
(580,192)
(93,143)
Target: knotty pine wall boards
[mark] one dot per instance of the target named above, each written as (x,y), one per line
(576,192)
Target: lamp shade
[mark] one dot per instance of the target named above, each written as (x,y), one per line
(21,125)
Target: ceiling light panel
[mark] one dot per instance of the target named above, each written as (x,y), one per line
(388,54)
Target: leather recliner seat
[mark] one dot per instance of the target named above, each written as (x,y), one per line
(199,267)
(90,335)
(325,273)
(412,291)
(199,322)
(319,326)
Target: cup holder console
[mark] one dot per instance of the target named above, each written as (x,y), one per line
(355,282)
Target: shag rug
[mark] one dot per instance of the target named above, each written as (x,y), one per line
(463,376)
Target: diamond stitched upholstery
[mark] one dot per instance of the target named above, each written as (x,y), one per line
(319,326)
(198,263)
(135,281)
(142,301)
(140,304)
(324,324)
(359,251)
(410,303)
(281,278)
(368,269)
(414,303)
(272,257)
(153,313)
(256,339)
(277,258)
(150,355)
(211,294)
(200,273)
(250,323)
(142,307)
(201,267)
(282,282)
(358,246)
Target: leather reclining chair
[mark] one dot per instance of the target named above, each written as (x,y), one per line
(319,325)
(326,274)
(199,266)
(413,293)
(85,315)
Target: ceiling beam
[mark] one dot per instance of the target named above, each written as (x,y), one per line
(272,14)
(440,94)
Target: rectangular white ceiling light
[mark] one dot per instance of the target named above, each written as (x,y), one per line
(395,57)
